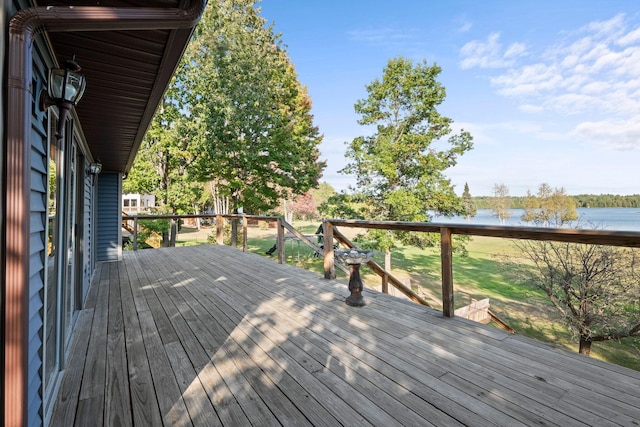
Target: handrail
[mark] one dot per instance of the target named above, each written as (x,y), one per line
(568,235)
(219,226)
(281,226)
(629,239)
(304,239)
(329,226)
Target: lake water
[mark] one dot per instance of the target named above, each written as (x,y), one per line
(627,219)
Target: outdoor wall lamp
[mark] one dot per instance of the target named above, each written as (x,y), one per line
(95,168)
(66,87)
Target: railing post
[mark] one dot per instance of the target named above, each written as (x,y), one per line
(219,230)
(234,232)
(135,233)
(280,241)
(329,265)
(244,234)
(385,276)
(174,231)
(446,255)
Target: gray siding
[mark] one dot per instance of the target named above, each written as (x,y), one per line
(89,261)
(37,246)
(108,217)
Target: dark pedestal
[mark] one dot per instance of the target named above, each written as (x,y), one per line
(355,287)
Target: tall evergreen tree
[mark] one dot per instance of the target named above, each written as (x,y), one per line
(469,206)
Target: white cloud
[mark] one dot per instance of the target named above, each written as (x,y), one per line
(465,27)
(610,29)
(490,53)
(528,108)
(592,73)
(529,80)
(612,134)
(632,37)
(515,50)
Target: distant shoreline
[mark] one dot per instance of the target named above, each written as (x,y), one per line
(607,218)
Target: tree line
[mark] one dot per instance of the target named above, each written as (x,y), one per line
(580,200)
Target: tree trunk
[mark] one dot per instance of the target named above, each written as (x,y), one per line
(585,346)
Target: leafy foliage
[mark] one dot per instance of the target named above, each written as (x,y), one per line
(250,115)
(551,207)
(580,200)
(399,168)
(304,207)
(467,202)
(343,205)
(501,202)
(235,128)
(162,164)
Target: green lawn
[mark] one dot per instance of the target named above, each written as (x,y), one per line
(477,275)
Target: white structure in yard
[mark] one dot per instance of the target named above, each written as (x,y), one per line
(134,203)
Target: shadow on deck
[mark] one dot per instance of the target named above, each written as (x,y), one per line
(209,335)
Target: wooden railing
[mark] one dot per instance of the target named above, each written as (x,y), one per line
(331,232)
(596,237)
(173,221)
(282,227)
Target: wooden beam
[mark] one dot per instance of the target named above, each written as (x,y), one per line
(280,241)
(219,230)
(629,239)
(329,266)
(446,256)
(244,235)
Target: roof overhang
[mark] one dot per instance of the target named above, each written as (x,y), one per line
(127,69)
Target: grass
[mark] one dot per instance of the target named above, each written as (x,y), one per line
(477,275)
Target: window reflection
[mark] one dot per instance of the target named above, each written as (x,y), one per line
(51,356)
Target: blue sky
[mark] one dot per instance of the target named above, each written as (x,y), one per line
(549,89)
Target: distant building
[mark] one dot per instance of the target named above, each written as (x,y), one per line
(134,203)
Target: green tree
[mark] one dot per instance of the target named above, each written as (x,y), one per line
(322,193)
(251,117)
(501,202)
(469,206)
(343,205)
(551,207)
(400,168)
(161,165)
(593,288)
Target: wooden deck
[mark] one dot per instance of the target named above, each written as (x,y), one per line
(209,336)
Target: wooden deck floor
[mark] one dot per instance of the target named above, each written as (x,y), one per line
(209,336)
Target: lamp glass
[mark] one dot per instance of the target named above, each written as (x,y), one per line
(56,82)
(95,168)
(65,85)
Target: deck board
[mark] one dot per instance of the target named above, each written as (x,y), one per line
(209,336)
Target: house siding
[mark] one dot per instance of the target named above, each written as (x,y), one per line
(37,245)
(109,218)
(88,262)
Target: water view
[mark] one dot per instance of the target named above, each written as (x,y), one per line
(627,219)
